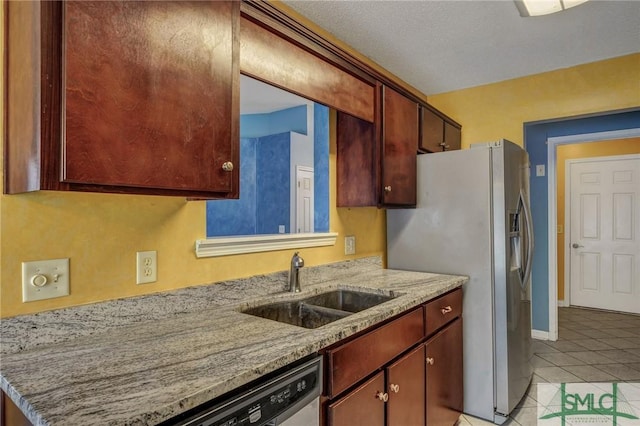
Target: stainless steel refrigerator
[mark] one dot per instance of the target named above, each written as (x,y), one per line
(473,218)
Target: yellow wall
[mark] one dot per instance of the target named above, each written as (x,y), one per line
(584,150)
(498,110)
(101,233)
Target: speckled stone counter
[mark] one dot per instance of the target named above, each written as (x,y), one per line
(143,360)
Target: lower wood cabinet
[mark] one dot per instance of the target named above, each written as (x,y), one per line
(406,389)
(420,387)
(362,406)
(10,414)
(444,395)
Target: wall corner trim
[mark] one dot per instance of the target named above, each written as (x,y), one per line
(225,246)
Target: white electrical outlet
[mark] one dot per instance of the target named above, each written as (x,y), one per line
(45,279)
(146,267)
(350,244)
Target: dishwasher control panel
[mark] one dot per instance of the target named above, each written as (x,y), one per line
(274,399)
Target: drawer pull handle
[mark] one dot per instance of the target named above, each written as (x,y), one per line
(394,388)
(430,360)
(446,310)
(382,396)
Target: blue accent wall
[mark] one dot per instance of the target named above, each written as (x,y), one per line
(237,217)
(286,120)
(535,138)
(265,156)
(273,183)
(321,167)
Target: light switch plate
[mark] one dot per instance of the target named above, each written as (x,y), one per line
(45,279)
(540,170)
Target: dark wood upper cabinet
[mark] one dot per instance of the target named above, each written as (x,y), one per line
(399,147)
(357,162)
(437,133)
(143,98)
(136,97)
(376,162)
(432,131)
(452,136)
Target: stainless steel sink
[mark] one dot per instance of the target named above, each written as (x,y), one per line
(347,300)
(318,310)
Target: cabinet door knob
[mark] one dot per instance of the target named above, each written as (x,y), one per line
(387,188)
(227,166)
(446,310)
(430,360)
(394,388)
(382,396)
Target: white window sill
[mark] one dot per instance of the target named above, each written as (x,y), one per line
(225,246)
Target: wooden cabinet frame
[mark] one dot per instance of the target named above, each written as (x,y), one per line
(373,367)
(34,85)
(34,150)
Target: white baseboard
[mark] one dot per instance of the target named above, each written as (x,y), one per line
(540,335)
(561,304)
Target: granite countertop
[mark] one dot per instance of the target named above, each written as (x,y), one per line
(143,360)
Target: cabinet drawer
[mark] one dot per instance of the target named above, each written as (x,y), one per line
(360,406)
(442,310)
(358,358)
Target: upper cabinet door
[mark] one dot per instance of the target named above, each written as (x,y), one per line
(432,134)
(452,137)
(150,95)
(399,148)
(437,133)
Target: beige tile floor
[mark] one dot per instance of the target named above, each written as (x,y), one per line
(593,346)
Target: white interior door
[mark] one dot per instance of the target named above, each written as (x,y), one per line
(304,199)
(604,242)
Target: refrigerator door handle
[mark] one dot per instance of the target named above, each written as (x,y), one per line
(529,224)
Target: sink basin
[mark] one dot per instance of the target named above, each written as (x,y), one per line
(347,300)
(321,309)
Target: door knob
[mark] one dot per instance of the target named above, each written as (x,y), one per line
(576,245)
(227,166)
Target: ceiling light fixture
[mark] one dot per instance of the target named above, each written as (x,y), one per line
(544,7)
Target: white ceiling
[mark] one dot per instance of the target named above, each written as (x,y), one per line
(443,45)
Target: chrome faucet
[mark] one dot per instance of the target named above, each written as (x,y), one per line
(294,273)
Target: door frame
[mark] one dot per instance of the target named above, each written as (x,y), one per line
(552,256)
(567,217)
